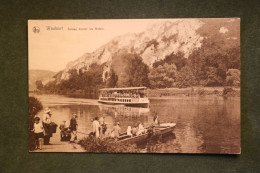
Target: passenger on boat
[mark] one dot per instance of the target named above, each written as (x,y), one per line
(151,130)
(95,126)
(129,131)
(156,119)
(141,129)
(134,131)
(116,130)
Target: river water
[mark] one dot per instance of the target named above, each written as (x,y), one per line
(209,124)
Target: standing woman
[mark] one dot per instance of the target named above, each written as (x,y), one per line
(73,128)
(96,126)
(46,121)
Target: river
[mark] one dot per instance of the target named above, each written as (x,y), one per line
(208,124)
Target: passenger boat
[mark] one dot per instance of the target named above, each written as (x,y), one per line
(162,129)
(132,96)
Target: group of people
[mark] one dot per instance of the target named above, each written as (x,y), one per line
(136,130)
(69,133)
(128,95)
(99,127)
(44,129)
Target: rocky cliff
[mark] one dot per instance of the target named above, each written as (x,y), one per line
(156,42)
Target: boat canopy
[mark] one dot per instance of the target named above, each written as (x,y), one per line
(118,89)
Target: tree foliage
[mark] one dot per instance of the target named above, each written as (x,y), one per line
(112,79)
(39,85)
(163,76)
(177,59)
(185,78)
(233,77)
(130,70)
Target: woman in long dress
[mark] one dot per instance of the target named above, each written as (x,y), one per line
(96,126)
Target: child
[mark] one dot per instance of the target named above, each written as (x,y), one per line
(38,133)
(63,131)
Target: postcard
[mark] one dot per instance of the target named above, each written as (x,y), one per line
(134,85)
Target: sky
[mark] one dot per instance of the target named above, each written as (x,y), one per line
(52,49)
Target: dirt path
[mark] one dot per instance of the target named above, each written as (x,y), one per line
(61,146)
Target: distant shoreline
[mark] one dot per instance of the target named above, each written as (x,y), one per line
(165,93)
(194,91)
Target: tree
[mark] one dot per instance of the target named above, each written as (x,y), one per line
(213,79)
(185,78)
(178,59)
(39,85)
(112,80)
(233,77)
(129,69)
(210,62)
(138,72)
(163,76)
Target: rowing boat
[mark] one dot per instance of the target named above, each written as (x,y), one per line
(160,130)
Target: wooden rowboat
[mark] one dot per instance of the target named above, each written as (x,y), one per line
(162,129)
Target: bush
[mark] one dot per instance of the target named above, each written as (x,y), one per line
(92,144)
(228,91)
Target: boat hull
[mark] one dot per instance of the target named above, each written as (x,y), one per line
(138,104)
(158,132)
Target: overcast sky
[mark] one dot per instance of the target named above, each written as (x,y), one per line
(53,49)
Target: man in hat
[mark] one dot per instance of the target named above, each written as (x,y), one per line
(73,128)
(46,125)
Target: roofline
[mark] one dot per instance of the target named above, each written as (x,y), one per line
(116,89)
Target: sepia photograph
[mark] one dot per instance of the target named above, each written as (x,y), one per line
(134,86)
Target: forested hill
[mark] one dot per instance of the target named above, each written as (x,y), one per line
(37,78)
(182,53)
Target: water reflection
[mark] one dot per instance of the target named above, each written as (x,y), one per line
(204,124)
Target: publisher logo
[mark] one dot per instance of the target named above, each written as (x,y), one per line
(36,29)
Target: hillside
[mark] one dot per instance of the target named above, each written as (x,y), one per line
(39,75)
(201,48)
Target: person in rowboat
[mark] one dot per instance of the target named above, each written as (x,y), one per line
(134,130)
(156,119)
(141,129)
(116,130)
(129,131)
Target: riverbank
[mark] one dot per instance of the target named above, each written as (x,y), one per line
(194,91)
(62,146)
